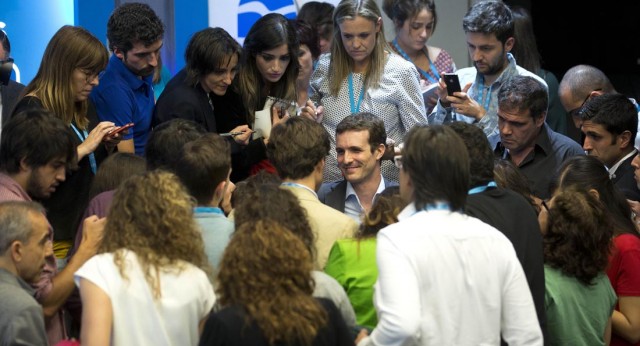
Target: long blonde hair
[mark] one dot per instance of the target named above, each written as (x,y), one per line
(341,63)
(152,216)
(71,48)
(269,32)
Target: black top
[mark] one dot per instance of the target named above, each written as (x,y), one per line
(550,151)
(624,180)
(9,95)
(511,214)
(227,327)
(67,204)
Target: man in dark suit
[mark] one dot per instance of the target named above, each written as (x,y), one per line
(609,125)
(9,90)
(360,145)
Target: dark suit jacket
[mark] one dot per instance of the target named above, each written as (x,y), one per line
(334,193)
(9,94)
(625,181)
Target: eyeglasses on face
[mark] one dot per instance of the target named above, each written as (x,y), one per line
(577,112)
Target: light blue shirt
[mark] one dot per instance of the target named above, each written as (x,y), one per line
(216,232)
(352,206)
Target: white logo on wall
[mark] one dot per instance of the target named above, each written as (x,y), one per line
(16,70)
(237,16)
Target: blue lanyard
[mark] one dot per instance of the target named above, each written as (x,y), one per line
(480,94)
(424,73)
(482,188)
(92,156)
(208,210)
(356,108)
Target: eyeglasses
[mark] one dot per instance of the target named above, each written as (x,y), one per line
(397,160)
(577,112)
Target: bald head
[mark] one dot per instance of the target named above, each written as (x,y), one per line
(579,81)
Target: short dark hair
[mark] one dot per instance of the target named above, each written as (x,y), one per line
(133,22)
(436,160)
(365,121)
(489,17)
(205,162)
(521,93)
(208,50)
(114,170)
(401,10)
(166,140)
(319,15)
(613,111)
(296,146)
(37,137)
(480,154)
(307,36)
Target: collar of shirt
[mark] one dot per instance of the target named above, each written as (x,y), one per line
(612,170)
(296,185)
(129,77)
(352,205)
(542,141)
(407,212)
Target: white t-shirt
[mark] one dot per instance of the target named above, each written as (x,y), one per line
(138,319)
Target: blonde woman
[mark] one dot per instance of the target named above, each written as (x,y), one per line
(362,75)
(147,285)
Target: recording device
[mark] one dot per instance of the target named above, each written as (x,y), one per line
(453,83)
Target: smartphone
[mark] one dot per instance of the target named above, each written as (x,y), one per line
(120,129)
(453,83)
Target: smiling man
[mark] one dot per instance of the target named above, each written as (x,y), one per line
(489,29)
(125,93)
(609,125)
(525,139)
(360,144)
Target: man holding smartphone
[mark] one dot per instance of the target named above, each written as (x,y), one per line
(489,31)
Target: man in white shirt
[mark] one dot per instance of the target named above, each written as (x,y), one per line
(360,145)
(446,278)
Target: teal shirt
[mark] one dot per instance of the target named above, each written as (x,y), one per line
(577,314)
(353,264)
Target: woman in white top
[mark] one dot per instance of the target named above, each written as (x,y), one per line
(147,285)
(362,75)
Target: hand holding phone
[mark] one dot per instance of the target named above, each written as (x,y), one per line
(120,129)
(453,83)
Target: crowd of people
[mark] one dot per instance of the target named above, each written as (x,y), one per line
(303,189)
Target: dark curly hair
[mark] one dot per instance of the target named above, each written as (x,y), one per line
(256,201)
(578,240)
(266,270)
(131,23)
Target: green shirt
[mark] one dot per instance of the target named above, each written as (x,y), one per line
(577,314)
(353,264)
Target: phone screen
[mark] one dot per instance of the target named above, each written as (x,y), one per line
(453,83)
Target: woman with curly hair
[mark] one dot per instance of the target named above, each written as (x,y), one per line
(588,173)
(353,261)
(265,188)
(265,289)
(579,299)
(148,284)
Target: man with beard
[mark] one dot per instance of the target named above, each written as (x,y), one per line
(489,31)
(125,93)
(360,145)
(36,148)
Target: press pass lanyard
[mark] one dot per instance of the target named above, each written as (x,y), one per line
(424,73)
(480,94)
(482,188)
(354,108)
(92,157)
